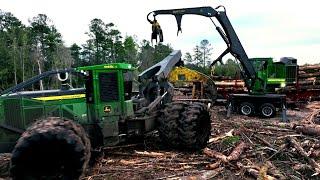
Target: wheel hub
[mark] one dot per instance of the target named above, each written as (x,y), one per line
(267,111)
(246,110)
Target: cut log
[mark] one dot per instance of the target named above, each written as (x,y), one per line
(215,154)
(214,165)
(308,75)
(233,83)
(234,155)
(309,129)
(222,78)
(215,139)
(304,83)
(255,173)
(150,154)
(237,151)
(310,67)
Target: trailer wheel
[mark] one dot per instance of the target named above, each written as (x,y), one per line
(52,148)
(267,110)
(194,127)
(246,108)
(168,123)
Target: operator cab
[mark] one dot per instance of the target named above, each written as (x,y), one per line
(108,97)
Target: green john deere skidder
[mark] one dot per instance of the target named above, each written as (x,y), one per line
(51,132)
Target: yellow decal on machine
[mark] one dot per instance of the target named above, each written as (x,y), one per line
(107,109)
(108,66)
(54,98)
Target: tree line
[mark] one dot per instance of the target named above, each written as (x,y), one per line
(201,58)
(29,49)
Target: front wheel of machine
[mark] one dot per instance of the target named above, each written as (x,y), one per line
(53,148)
(194,127)
(168,123)
(246,109)
(267,110)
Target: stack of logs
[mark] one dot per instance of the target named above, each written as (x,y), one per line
(308,77)
(227,85)
(308,85)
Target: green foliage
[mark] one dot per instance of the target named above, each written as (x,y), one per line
(28,50)
(188,58)
(149,55)
(102,43)
(204,70)
(200,59)
(197,56)
(130,50)
(229,69)
(206,49)
(75,51)
(230,141)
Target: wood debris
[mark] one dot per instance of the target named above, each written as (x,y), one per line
(240,148)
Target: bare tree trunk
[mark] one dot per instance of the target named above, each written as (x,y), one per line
(39,66)
(39,70)
(33,69)
(22,63)
(15,71)
(14,62)
(204,58)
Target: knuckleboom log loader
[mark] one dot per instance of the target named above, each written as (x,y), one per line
(51,132)
(261,75)
(194,84)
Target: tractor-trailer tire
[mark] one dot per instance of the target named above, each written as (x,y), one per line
(264,105)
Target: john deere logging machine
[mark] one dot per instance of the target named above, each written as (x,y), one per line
(57,129)
(261,75)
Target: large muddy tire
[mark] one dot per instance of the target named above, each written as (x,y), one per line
(168,123)
(52,148)
(195,127)
(185,126)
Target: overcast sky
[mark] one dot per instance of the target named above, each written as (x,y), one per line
(270,28)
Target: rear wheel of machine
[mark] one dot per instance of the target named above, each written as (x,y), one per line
(53,148)
(194,127)
(246,109)
(267,110)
